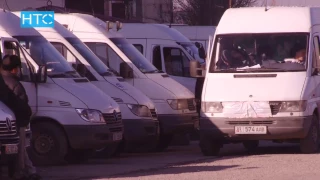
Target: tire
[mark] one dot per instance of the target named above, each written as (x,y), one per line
(79,156)
(12,160)
(209,147)
(49,144)
(164,142)
(251,146)
(310,144)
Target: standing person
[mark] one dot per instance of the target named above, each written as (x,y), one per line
(198,90)
(10,72)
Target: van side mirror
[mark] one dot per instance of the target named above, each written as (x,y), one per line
(41,76)
(81,69)
(126,71)
(195,69)
(201,50)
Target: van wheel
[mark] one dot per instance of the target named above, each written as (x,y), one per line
(310,144)
(164,142)
(12,165)
(251,146)
(49,144)
(209,147)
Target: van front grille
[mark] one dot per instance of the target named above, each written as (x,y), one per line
(112,118)
(275,107)
(191,104)
(8,129)
(153,113)
(250,122)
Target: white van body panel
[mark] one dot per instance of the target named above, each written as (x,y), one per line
(270,21)
(94,101)
(6,112)
(240,89)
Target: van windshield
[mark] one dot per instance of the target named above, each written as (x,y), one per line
(260,53)
(192,50)
(135,56)
(91,58)
(45,54)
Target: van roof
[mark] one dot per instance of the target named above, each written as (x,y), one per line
(32,30)
(272,20)
(152,31)
(85,23)
(195,32)
(10,23)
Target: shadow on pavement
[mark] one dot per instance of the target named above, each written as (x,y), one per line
(176,170)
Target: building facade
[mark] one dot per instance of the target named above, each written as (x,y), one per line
(157,11)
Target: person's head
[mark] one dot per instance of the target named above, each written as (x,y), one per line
(301,55)
(12,64)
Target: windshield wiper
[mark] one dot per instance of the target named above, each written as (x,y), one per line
(106,74)
(154,71)
(229,70)
(57,75)
(70,72)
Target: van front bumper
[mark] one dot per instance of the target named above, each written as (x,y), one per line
(277,128)
(92,136)
(178,123)
(140,131)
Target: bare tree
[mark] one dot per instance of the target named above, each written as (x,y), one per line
(205,12)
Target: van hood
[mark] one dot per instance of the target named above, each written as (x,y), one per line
(172,86)
(284,86)
(90,95)
(125,93)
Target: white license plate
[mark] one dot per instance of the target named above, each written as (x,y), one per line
(11,149)
(117,136)
(250,129)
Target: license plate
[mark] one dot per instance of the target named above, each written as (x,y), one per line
(117,136)
(250,130)
(11,149)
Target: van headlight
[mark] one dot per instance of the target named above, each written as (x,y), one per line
(90,115)
(292,106)
(139,110)
(212,107)
(178,104)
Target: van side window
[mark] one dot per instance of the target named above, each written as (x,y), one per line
(139,47)
(176,62)
(108,56)
(316,54)
(156,59)
(73,60)
(12,48)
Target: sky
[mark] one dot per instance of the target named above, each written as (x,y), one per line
(291,2)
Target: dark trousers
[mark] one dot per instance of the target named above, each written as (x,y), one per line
(198,92)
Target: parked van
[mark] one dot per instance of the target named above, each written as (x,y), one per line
(174,103)
(263,80)
(72,114)
(138,111)
(166,48)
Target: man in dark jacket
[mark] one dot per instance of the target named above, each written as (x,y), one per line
(11,65)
